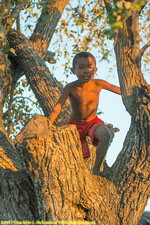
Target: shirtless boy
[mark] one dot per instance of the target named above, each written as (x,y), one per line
(84,98)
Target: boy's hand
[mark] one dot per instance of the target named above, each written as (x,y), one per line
(57,108)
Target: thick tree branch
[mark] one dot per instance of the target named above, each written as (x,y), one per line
(42,33)
(128,64)
(43,84)
(60,164)
(136,37)
(132,169)
(18,201)
(135,154)
(44,29)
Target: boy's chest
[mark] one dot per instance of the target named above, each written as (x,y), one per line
(84,96)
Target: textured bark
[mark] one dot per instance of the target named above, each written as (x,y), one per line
(65,188)
(132,167)
(132,170)
(45,87)
(16,203)
(40,38)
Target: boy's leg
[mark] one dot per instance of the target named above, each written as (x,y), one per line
(103,135)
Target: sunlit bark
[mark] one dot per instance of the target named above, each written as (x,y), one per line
(132,167)
(45,87)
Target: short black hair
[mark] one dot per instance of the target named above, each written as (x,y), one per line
(80,55)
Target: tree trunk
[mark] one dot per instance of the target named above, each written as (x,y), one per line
(132,167)
(17,200)
(65,188)
(45,29)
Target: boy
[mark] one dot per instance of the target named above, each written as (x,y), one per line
(84,98)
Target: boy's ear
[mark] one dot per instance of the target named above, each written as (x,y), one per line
(96,69)
(73,70)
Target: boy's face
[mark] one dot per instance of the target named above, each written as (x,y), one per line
(85,69)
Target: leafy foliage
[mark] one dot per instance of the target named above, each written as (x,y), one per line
(83,28)
(20,107)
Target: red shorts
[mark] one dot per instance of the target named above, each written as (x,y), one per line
(87,129)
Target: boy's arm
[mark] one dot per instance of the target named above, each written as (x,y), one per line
(110,87)
(57,108)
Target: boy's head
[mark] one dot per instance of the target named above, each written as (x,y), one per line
(82,55)
(84,66)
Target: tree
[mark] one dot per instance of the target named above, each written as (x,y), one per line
(43,175)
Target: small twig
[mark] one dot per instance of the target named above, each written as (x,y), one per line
(18,22)
(144,48)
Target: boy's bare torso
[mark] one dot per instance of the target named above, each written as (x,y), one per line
(84,100)
(84,92)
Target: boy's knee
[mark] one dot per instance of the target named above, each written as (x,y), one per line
(107,134)
(103,133)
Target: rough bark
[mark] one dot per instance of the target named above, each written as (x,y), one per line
(16,203)
(132,165)
(45,87)
(65,189)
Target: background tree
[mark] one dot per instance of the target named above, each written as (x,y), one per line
(43,176)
